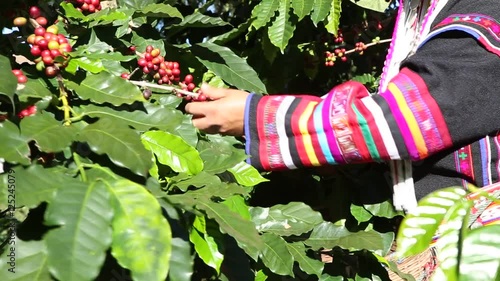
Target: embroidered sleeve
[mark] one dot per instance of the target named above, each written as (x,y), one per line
(346,126)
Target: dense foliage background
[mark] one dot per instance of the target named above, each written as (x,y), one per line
(105,178)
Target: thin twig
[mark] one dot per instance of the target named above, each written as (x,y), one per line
(163,87)
(369,45)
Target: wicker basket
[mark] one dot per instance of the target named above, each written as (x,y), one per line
(420,266)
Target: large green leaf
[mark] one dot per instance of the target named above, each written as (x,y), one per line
(245,174)
(14,146)
(77,249)
(306,263)
(173,151)
(37,184)
(106,88)
(28,261)
(50,135)
(121,144)
(242,230)
(219,153)
(282,28)
(160,10)
(136,4)
(302,8)
(238,204)
(34,88)
(159,117)
(375,5)
(333,19)
(328,235)
(184,181)
(205,245)
(264,12)
(295,218)
(85,63)
(230,67)
(141,234)
(419,227)
(200,21)
(181,261)
(320,10)
(481,254)
(9,80)
(276,256)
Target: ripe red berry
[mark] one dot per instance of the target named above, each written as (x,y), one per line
(188,79)
(35,51)
(125,75)
(42,21)
(142,62)
(40,31)
(35,12)
(149,48)
(50,71)
(17,72)
(21,79)
(191,86)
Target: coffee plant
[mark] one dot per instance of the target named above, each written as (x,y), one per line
(103,176)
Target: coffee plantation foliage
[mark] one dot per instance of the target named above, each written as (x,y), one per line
(105,178)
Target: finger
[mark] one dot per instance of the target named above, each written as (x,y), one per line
(197,108)
(213,93)
(203,124)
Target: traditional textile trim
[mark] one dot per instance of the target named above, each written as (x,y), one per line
(484,28)
(347,126)
(485,147)
(464,164)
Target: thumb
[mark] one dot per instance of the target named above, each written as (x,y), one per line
(213,93)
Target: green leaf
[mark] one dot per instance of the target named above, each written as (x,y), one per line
(295,218)
(264,12)
(34,88)
(155,117)
(9,80)
(333,19)
(85,63)
(307,264)
(198,20)
(219,153)
(360,213)
(328,277)
(321,9)
(205,245)
(238,204)
(480,254)
(375,5)
(106,88)
(77,249)
(141,43)
(181,261)
(50,135)
(160,11)
(71,12)
(201,179)
(14,146)
(276,256)
(282,28)
(245,174)
(328,235)
(243,231)
(121,144)
(135,4)
(173,151)
(302,8)
(260,276)
(384,210)
(141,235)
(227,65)
(418,228)
(36,184)
(29,264)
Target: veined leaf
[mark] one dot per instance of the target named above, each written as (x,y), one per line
(320,10)
(307,264)
(106,88)
(14,146)
(30,262)
(294,218)
(173,151)
(480,256)
(238,204)
(85,63)
(419,227)
(375,5)
(282,28)
(160,10)
(328,277)
(227,65)
(77,249)
(141,235)
(333,19)
(135,4)
(205,245)
(264,12)
(9,80)
(158,117)
(276,256)
(243,231)
(121,144)
(181,260)
(50,135)
(302,8)
(245,174)
(227,156)
(199,20)
(140,43)
(34,88)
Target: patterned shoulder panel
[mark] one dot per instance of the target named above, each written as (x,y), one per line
(482,27)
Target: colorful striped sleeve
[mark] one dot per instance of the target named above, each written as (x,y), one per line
(347,126)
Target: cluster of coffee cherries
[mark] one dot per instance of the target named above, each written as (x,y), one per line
(188,85)
(36,14)
(28,111)
(86,6)
(49,49)
(331,57)
(21,78)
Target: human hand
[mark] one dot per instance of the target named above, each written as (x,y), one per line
(222,113)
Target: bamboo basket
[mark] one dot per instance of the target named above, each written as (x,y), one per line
(420,266)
